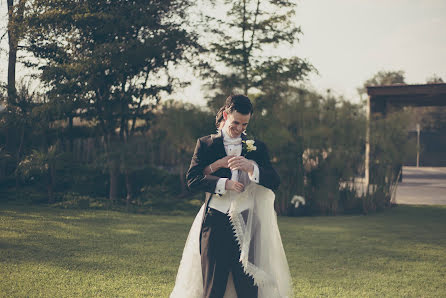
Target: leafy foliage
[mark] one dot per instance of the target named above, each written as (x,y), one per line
(317,144)
(239,44)
(107,62)
(383,78)
(434,79)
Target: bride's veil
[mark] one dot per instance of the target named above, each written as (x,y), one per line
(261,249)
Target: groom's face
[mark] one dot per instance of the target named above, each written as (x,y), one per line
(235,123)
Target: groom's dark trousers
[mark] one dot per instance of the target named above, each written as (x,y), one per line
(218,247)
(220,255)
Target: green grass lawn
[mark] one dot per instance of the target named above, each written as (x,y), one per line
(55,253)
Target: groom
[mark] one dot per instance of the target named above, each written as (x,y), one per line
(239,162)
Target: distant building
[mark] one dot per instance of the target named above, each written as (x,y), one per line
(386,99)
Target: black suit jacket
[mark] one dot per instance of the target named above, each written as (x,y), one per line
(209,149)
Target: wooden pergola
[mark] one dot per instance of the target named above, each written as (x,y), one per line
(383,99)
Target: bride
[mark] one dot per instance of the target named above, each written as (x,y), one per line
(254,224)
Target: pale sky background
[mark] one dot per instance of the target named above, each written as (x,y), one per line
(348,41)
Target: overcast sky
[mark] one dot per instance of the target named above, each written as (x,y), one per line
(348,41)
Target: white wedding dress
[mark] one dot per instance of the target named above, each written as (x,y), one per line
(261,249)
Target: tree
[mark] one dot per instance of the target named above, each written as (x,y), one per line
(15,32)
(390,147)
(243,60)
(19,121)
(383,78)
(434,79)
(316,143)
(110,60)
(42,163)
(240,42)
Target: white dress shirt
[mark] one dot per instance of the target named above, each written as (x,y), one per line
(233,146)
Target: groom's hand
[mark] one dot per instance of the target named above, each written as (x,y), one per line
(241,163)
(234,185)
(223,162)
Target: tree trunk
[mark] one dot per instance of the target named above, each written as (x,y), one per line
(114,180)
(283,206)
(244,52)
(113,167)
(13,40)
(183,183)
(70,133)
(12,59)
(129,188)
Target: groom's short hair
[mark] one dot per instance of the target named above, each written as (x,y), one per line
(239,103)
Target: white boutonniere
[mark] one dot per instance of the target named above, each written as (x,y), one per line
(249,145)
